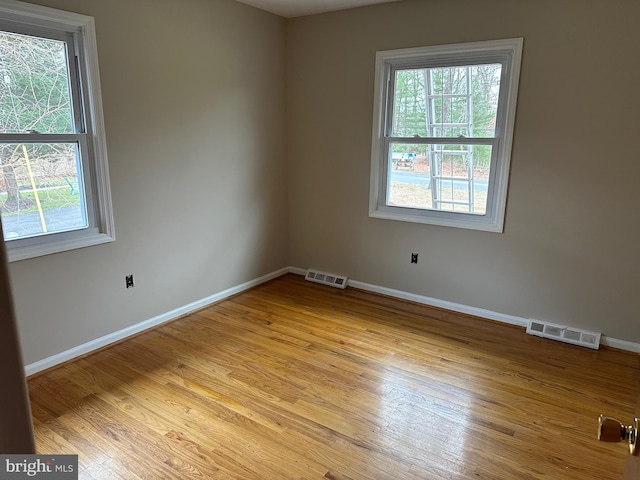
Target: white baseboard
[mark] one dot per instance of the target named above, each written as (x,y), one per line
(298,271)
(621,344)
(101,342)
(434,302)
(466,309)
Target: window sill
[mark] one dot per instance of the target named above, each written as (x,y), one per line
(443,219)
(25,252)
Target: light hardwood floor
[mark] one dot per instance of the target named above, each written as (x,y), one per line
(296,380)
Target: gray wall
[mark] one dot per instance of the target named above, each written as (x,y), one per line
(193,94)
(570,250)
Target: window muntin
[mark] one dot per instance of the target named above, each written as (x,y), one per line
(54,182)
(443,125)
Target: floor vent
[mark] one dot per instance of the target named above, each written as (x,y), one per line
(330,279)
(575,336)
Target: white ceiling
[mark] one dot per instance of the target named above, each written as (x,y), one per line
(298,8)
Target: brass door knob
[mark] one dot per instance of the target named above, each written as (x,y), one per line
(611,430)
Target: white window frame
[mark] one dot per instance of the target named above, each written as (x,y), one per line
(95,171)
(508,52)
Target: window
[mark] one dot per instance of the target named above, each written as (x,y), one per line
(54,181)
(442,133)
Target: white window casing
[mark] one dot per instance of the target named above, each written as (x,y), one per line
(508,54)
(89,135)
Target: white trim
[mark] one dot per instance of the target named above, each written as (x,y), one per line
(96,173)
(110,338)
(446,50)
(466,309)
(446,219)
(96,127)
(621,344)
(434,302)
(54,18)
(509,53)
(40,249)
(301,271)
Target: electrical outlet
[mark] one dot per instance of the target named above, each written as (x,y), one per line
(128,281)
(414,258)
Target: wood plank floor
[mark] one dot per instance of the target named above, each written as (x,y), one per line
(292,380)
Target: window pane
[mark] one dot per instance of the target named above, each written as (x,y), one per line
(34,85)
(439,177)
(40,190)
(446,102)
